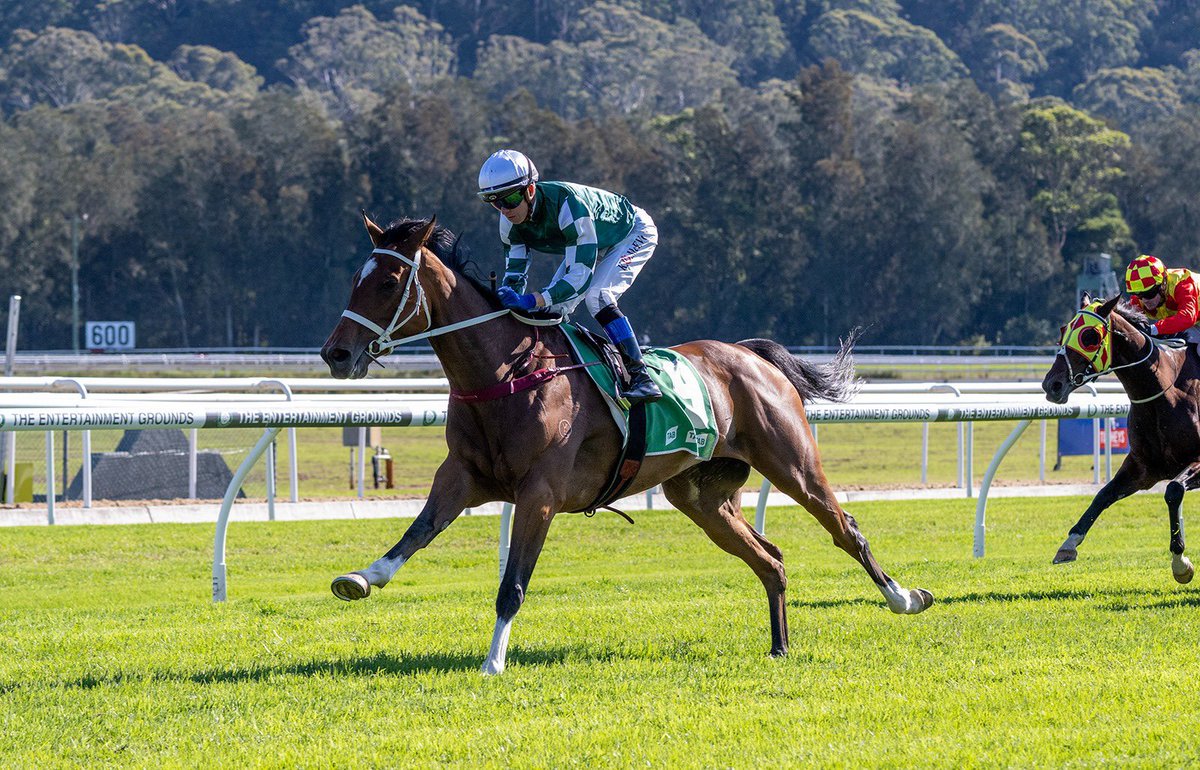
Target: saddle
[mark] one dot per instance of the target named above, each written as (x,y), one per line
(681,421)
(590,352)
(1188,338)
(633,449)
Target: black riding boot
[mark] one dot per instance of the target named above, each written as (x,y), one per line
(616,326)
(641,387)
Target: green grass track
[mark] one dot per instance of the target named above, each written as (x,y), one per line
(638,646)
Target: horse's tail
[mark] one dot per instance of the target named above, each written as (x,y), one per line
(833,381)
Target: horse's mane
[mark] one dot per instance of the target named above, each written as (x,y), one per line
(1126,310)
(449,248)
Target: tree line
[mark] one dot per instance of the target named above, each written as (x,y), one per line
(933,171)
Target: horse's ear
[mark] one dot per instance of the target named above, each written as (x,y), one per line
(427,232)
(1107,308)
(373,230)
(1085,299)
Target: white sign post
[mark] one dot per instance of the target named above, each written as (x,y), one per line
(110,335)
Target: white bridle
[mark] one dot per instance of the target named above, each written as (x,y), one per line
(384,342)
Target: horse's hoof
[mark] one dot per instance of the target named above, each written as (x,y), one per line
(915,600)
(491,668)
(919,600)
(1183,573)
(350,587)
(777,652)
(1065,555)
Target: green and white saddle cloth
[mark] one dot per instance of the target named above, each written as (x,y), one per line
(681,421)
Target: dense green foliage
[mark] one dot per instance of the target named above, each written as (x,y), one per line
(936,169)
(638,645)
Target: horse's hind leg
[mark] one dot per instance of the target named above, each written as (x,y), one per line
(710,495)
(1181,566)
(798,474)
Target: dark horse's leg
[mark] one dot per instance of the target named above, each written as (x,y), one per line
(1127,480)
(710,494)
(532,514)
(450,494)
(1181,566)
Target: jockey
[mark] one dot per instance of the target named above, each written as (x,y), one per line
(1170,296)
(603,238)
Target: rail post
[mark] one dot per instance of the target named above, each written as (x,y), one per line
(506,512)
(9,444)
(760,511)
(193,439)
(981,504)
(219,576)
(50,477)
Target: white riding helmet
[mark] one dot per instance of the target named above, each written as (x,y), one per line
(503,172)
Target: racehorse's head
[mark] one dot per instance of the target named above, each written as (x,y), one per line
(1085,349)
(386,299)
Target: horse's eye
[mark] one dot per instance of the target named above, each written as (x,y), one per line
(389,284)
(1089,339)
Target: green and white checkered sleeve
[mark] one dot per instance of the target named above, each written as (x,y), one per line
(516,257)
(578,228)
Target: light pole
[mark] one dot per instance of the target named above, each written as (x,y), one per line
(75,221)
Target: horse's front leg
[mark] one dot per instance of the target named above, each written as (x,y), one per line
(1124,483)
(1181,566)
(534,510)
(451,493)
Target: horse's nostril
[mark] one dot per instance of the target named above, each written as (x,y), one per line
(339,355)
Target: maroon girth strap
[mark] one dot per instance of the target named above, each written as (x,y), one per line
(502,389)
(629,462)
(525,382)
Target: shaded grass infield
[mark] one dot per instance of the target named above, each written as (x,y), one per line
(637,645)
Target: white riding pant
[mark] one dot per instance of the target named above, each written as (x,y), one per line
(615,268)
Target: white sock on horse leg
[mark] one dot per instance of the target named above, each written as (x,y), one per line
(496,656)
(382,571)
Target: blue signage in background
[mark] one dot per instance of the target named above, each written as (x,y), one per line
(1075,437)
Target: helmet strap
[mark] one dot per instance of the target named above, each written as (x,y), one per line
(529,201)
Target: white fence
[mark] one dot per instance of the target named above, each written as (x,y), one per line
(30,409)
(39,392)
(122,392)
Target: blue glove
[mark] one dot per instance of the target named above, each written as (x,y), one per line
(511,299)
(1154,330)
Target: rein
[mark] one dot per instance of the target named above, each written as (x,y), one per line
(1153,347)
(384,342)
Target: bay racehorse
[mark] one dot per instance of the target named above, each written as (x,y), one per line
(552,448)
(1163,385)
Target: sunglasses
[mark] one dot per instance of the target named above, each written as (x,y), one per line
(509,201)
(1151,294)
